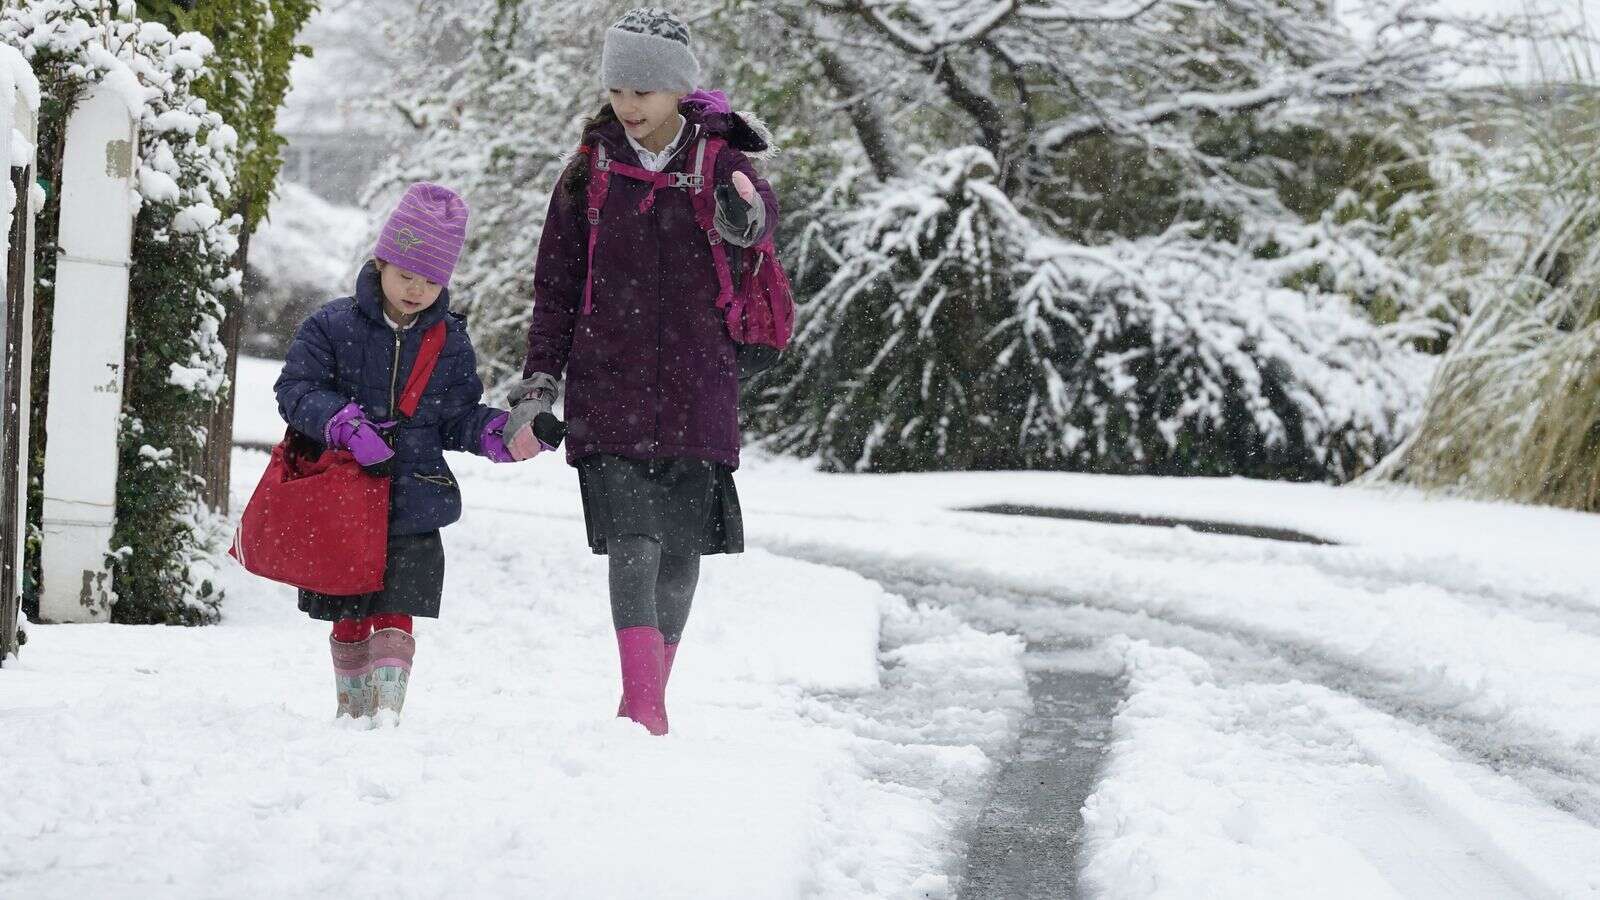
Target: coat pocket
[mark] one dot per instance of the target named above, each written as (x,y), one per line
(424,500)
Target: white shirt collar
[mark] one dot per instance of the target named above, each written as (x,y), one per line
(396,326)
(655,162)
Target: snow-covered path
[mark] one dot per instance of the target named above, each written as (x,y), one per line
(828,740)
(1414,713)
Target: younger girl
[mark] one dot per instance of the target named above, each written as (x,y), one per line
(652,397)
(341,385)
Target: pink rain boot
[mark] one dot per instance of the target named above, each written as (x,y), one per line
(391,651)
(643,659)
(667,653)
(352,678)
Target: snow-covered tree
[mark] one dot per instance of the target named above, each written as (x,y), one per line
(1126,236)
(495,102)
(1133,236)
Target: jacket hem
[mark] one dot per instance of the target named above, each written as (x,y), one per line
(725,456)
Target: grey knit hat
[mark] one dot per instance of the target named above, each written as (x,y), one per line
(648,50)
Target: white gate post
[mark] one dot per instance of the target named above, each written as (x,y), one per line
(89,329)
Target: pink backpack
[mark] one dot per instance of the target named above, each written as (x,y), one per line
(759,310)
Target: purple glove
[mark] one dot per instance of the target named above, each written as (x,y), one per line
(493,442)
(350,430)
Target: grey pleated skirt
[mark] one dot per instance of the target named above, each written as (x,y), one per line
(689,505)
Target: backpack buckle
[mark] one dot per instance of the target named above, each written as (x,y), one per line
(603,163)
(685,180)
(594,216)
(713,235)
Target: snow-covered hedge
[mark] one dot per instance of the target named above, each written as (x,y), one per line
(183,253)
(951,333)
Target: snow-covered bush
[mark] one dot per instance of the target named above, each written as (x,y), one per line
(183,252)
(1127,237)
(954,333)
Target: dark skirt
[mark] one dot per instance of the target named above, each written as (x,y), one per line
(689,505)
(413,584)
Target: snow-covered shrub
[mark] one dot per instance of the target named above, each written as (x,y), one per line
(183,252)
(953,333)
(1513,244)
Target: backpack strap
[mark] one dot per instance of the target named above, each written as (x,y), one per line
(705,214)
(696,183)
(422,369)
(599,187)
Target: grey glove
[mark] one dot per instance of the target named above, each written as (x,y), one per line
(737,221)
(533,395)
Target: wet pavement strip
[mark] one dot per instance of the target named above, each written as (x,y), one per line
(1026,843)
(1098,517)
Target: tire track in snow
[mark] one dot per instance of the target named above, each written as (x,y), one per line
(1376,571)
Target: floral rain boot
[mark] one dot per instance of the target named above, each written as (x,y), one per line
(352,678)
(391,651)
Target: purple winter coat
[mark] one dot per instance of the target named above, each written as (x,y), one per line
(651,371)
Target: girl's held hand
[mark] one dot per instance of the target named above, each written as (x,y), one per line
(523,444)
(747,191)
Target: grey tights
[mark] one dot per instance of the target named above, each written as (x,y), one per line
(649,587)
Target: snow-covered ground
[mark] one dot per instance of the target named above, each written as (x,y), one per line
(1415,712)
(828,739)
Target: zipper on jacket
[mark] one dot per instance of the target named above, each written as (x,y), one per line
(394,375)
(434,479)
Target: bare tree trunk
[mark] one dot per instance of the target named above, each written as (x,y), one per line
(871,128)
(217,467)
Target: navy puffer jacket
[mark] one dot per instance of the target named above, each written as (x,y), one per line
(346,351)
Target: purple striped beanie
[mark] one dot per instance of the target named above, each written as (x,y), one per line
(425,232)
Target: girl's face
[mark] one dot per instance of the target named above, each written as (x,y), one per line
(645,113)
(406,294)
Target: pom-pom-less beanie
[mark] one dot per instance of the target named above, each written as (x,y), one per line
(648,50)
(425,232)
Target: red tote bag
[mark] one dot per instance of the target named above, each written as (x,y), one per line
(317,520)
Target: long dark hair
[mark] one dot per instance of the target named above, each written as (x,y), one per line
(575,180)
